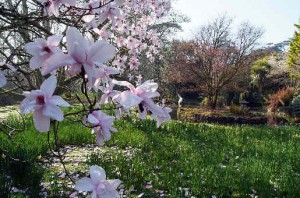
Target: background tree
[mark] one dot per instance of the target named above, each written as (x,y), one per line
(215,57)
(294,54)
(259,71)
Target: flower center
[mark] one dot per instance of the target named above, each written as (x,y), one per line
(47,3)
(40,100)
(46,49)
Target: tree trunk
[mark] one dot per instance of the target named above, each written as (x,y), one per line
(213,99)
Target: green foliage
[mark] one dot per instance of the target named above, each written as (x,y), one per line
(294,54)
(295,107)
(259,71)
(254,99)
(261,67)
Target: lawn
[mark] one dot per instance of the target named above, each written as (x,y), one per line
(176,160)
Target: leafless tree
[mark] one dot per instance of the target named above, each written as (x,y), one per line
(216,57)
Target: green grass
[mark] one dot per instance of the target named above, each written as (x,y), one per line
(207,159)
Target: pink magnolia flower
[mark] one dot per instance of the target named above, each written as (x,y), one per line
(141,96)
(100,187)
(93,6)
(124,28)
(108,93)
(162,117)
(111,11)
(81,53)
(119,62)
(102,125)
(132,42)
(51,7)
(43,105)
(102,75)
(120,41)
(134,63)
(104,34)
(42,49)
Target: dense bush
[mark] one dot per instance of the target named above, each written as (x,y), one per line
(280,99)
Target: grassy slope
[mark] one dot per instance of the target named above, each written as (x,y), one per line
(206,159)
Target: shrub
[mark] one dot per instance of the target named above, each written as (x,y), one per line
(237,110)
(280,100)
(255,99)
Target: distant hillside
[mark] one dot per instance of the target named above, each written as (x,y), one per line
(278,47)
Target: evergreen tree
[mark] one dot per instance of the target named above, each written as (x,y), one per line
(294,54)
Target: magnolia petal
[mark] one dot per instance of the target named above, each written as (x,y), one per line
(106,134)
(90,72)
(99,138)
(57,100)
(37,61)
(101,52)
(114,183)
(32,94)
(123,83)
(84,184)
(112,193)
(154,108)
(151,85)
(78,53)
(56,61)
(97,174)
(94,195)
(54,40)
(53,111)
(73,70)
(54,8)
(102,16)
(128,99)
(149,94)
(92,119)
(41,121)
(27,106)
(110,70)
(34,48)
(75,38)
(69,2)
(49,85)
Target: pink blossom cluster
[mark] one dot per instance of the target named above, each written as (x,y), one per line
(97,61)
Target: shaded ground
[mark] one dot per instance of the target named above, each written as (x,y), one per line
(75,160)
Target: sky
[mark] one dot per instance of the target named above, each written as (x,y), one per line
(276,17)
